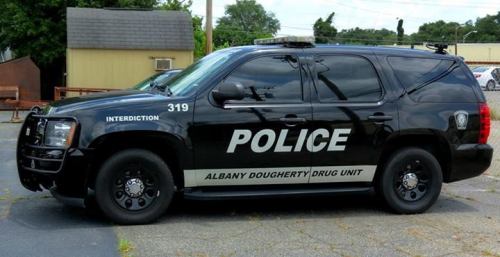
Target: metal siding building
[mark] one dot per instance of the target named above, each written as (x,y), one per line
(116,48)
(22,73)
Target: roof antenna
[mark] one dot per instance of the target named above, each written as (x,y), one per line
(438,48)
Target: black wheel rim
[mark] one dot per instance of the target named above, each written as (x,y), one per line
(135,189)
(412,181)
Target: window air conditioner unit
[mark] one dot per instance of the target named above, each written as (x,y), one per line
(163,64)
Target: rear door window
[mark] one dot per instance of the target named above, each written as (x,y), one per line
(346,78)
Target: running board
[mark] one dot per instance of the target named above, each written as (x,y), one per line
(208,194)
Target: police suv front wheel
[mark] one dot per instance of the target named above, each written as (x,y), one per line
(411,181)
(134,186)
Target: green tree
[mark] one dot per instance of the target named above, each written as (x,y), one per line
(198,32)
(324,31)
(200,38)
(177,5)
(367,36)
(38,29)
(243,22)
(401,31)
(113,3)
(488,29)
(439,31)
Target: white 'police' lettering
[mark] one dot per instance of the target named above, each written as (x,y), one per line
(269,136)
(265,139)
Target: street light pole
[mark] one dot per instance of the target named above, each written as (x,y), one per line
(466,35)
(456,37)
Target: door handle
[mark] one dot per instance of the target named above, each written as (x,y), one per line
(379,118)
(292,121)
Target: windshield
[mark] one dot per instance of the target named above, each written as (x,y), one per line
(159,79)
(145,83)
(188,80)
(480,69)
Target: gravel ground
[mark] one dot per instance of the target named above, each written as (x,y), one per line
(465,221)
(493,98)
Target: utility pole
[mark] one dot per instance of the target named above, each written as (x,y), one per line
(208,28)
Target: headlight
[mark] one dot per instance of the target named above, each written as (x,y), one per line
(59,133)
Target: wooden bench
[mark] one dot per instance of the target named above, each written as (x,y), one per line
(9,92)
(10,96)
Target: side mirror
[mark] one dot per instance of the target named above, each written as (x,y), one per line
(229,91)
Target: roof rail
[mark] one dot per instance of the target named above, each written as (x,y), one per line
(290,41)
(438,48)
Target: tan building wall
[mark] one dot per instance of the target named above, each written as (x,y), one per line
(478,52)
(102,68)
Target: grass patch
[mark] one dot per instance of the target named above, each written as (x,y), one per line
(489,253)
(125,248)
(495,115)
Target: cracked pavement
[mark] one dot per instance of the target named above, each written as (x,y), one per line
(465,221)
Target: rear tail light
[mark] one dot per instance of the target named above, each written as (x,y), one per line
(484,123)
(477,75)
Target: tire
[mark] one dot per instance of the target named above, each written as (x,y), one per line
(412,197)
(490,85)
(134,186)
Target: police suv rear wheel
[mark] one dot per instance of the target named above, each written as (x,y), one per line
(411,181)
(134,186)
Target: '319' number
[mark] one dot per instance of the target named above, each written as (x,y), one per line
(178,107)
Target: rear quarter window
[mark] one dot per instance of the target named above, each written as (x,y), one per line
(433,80)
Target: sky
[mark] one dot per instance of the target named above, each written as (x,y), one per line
(298,16)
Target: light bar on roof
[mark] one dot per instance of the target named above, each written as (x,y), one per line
(290,40)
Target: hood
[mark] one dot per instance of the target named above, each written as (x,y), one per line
(102,100)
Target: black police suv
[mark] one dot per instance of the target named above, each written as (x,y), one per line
(277,118)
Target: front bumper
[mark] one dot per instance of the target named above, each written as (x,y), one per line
(469,160)
(42,167)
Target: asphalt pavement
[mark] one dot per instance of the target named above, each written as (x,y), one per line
(465,221)
(35,224)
